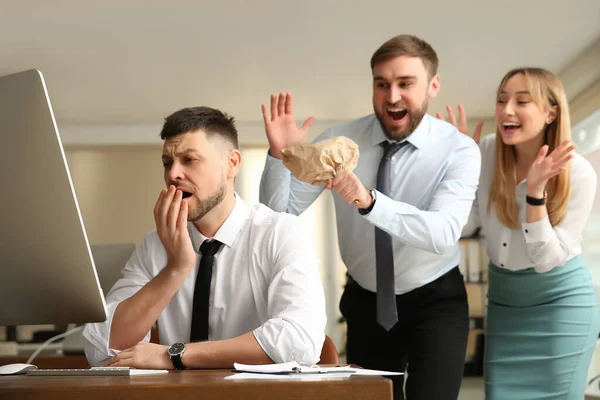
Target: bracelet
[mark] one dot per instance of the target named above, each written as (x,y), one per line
(534,201)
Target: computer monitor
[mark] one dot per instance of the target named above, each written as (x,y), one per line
(47,273)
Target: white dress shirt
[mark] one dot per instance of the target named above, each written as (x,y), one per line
(433,184)
(535,245)
(265,280)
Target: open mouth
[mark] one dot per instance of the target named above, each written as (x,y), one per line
(510,127)
(185,194)
(396,114)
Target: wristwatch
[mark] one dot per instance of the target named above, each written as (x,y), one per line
(365,211)
(534,201)
(175,351)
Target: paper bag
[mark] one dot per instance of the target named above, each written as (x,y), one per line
(319,162)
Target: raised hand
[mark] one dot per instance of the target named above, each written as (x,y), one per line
(545,166)
(281,128)
(462,122)
(170,216)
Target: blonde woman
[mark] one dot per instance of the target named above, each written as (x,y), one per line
(534,198)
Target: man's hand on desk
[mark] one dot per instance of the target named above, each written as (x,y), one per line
(142,355)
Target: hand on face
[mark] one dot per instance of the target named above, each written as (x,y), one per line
(170,216)
(351,189)
(142,355)
(462,122)
(546,166)
(280,126)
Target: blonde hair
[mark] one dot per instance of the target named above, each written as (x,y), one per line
(546,91)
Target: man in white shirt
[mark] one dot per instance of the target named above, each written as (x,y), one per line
(261,301)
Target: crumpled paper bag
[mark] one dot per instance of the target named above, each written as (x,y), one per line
(319,162)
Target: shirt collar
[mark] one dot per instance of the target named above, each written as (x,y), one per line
(230,228)
(418,138)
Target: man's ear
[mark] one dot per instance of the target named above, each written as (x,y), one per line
(234,160)
(434,87)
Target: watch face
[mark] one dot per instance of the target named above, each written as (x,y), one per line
(176,348)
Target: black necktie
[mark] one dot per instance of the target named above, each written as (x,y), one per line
(387,315)
(199,332)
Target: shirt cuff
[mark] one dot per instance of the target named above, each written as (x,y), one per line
(539,231)
(382,205)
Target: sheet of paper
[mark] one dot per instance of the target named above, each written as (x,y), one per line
(267,368)
(293,368)
(288,377)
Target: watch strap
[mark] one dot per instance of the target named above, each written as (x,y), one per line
(365,211)
(534,201)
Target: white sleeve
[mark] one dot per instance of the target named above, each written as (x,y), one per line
(295,330)
(549,247)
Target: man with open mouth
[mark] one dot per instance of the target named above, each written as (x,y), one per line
(399,218)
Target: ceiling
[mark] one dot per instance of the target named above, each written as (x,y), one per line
(134,62)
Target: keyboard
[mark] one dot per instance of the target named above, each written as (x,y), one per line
(97,371)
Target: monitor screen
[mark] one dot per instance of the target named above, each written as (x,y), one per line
(47,273)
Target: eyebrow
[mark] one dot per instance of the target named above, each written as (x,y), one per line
(184,152)
(520,92)
(400,78)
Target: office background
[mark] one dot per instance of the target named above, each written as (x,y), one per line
(114,70)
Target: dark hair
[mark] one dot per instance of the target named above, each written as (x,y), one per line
(210,120)
(407,45)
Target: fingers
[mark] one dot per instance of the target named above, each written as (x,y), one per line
(462,119)
(478,130)
(288,103)
(308,123)
(451,116)
(348,186)
(182,217)
(281,104)
(541,155)
(330,184)
(265,114)
(337,179)
(439,116)
(273,107)
(563,153)
(163,209)
(174,208)
(158,206)
(123,355)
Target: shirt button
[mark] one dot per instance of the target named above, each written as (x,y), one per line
(504,244)
(210,303)
(502,265)
(526,231)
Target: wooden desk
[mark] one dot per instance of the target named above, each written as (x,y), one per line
(192,384)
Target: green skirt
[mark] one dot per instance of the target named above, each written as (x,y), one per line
(541,332)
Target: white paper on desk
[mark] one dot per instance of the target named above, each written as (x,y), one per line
(290,368)
(294,368)
(288,377)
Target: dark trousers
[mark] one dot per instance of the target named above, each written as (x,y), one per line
(428,342)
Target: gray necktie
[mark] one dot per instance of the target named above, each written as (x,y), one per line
(387,315)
